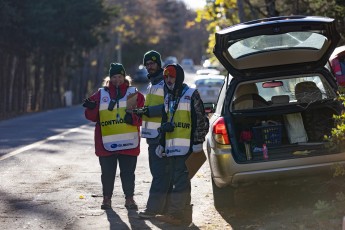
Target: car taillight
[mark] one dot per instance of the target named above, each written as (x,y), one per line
(219,132)
(336,67)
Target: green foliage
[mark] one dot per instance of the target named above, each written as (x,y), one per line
(335,141)
(327,210)
(48,47)
(322,207)
(219,14)
(340,196)
(57,25)
(338,169)
(337,137)
(40,42)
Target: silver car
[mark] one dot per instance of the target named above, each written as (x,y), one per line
(209,87)
(276,104)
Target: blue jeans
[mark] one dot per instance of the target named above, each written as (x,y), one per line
(127,166)
(161,181)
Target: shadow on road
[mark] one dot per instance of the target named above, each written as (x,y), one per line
(115,220)
(20,207)
(292,204)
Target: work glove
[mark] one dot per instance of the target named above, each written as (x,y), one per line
(197,148)
(167,127)
(160,151)
(89,104)
(128,119)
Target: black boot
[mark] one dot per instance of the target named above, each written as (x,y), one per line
(106,204)
(188,215)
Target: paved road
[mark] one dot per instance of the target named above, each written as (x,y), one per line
(34,127)
(49,174)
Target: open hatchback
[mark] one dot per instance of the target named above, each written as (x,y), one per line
(281,97)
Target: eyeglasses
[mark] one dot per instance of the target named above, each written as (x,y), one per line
(147,64)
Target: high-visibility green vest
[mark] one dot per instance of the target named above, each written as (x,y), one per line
(154,96)
(116,134)
(178,142)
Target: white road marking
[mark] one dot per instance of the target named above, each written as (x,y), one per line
(33,145)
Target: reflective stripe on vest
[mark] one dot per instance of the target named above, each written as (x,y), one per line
(178,142)
(116,134)
(154,96)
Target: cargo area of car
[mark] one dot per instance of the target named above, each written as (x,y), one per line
(286,134)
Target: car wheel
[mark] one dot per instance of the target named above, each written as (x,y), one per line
(223,197)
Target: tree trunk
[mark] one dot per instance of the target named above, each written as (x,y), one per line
(241,14)
(271,8)
(11,96)
(35,100)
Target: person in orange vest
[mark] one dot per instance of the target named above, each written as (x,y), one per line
(117,139)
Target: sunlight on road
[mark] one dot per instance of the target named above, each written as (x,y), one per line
(36,144)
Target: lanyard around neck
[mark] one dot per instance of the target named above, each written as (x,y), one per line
(118,94)
(115,101)
(173,104)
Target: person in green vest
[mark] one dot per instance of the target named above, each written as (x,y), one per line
(183,131)
(117,139)
(159,167)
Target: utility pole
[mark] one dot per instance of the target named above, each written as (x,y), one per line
(119,48)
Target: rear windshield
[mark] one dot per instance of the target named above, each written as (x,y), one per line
(284,91)
(262,43)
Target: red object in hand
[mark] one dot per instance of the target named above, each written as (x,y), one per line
(246,136)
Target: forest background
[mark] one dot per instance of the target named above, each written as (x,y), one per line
(48,48)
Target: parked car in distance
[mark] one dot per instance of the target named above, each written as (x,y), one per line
(207,64)
(188,64)
(209,87)
(207,71)
(337,61)
(170,60)
(140,75)
(270,119)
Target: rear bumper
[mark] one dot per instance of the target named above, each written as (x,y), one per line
(225,171)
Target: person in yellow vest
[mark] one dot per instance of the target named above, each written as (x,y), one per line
(159,167)
(183,131)
(117,139)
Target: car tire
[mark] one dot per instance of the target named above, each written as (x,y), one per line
(223,197)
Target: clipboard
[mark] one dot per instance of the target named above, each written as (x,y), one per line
(194,162)
(132,101)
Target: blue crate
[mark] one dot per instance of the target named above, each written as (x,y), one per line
(270,135)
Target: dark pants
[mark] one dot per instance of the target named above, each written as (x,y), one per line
(127,168)
(180,196)
(161,181)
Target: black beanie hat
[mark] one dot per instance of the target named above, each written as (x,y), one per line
(153,56)
(116,68)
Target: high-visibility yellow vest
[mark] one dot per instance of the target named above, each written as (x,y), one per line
(177,143)
(116,134)
(154,96)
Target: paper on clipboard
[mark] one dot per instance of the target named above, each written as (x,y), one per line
(132,101)
(194,162)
